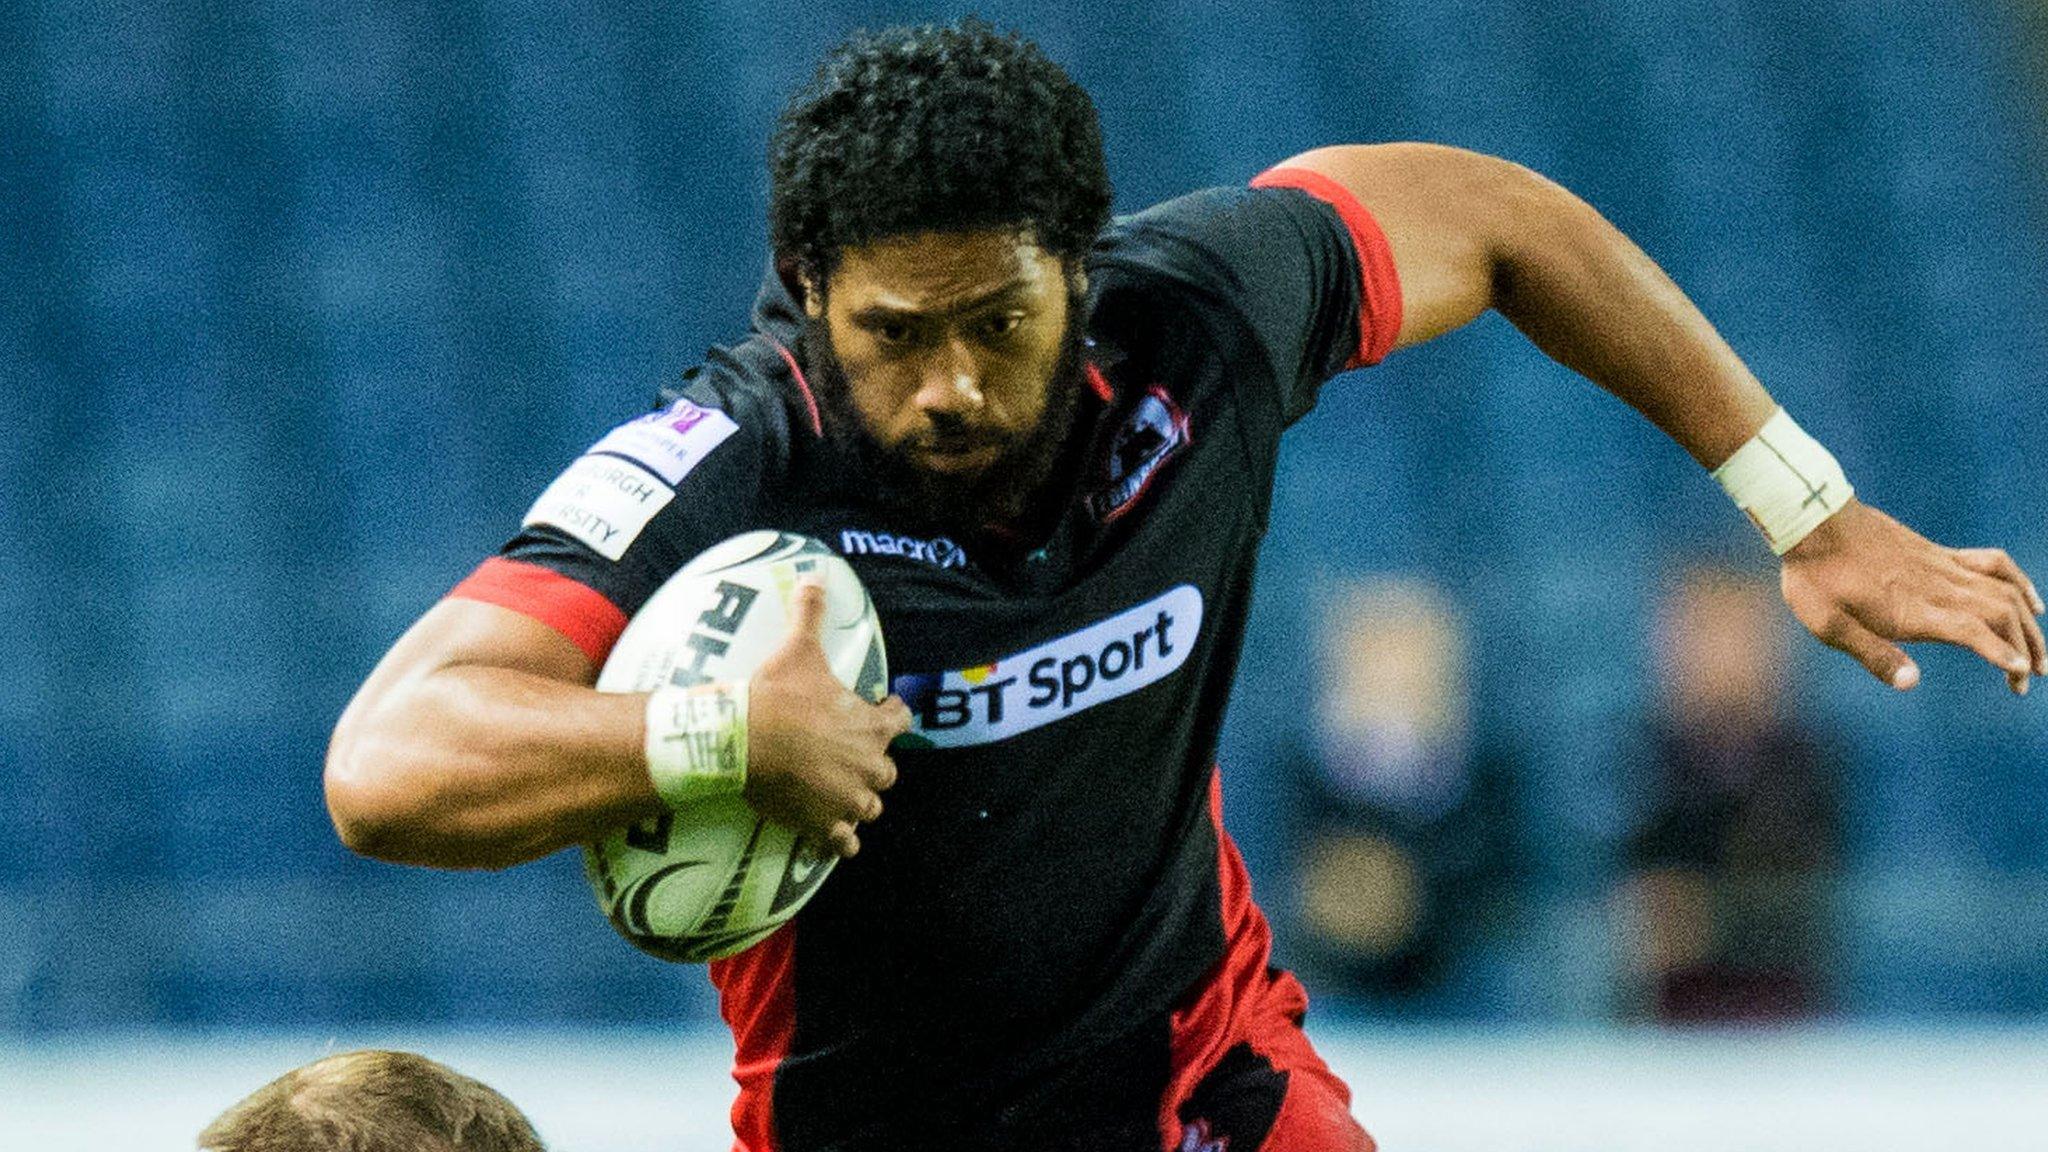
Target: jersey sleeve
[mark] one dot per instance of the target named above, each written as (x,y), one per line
(1294,263)
(625,515)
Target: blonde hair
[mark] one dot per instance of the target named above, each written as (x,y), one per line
(372,1101)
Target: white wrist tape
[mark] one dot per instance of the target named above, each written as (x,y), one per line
(697,741)
(1784,481)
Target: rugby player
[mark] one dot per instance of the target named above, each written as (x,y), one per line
(1046,440)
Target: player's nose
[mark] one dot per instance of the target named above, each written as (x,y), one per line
(951,382)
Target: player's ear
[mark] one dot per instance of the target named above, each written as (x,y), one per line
(1077,279)
(802,282)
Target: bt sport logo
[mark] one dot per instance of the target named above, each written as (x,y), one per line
(1112,657)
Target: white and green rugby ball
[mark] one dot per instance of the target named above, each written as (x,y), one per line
(711,878)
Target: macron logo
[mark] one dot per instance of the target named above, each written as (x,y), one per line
(938,552)
(1114,657)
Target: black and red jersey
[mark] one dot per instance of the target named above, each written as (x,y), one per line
(1047,877)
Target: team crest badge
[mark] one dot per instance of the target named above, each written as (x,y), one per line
(1153,433)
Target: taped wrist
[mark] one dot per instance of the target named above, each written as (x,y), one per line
(1784,481)
(697,741)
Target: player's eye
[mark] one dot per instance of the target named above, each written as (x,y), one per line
(1002,324)
(892,332)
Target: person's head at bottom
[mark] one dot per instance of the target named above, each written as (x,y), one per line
(372,1101)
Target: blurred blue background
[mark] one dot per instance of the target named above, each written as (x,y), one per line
(306,302)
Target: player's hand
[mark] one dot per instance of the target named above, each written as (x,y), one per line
(817,755)
(1863,580)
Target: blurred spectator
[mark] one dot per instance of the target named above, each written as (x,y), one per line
(1728,905)
(372,1102)
(1403,850)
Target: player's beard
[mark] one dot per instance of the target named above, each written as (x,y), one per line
(1000,494)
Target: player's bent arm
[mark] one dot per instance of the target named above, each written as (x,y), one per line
(1470,232)
(478,742)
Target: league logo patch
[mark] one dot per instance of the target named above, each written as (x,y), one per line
(1155,430)
(672,441)
(1112,657)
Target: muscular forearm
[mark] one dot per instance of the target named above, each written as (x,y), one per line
(481,767)
(1591,299)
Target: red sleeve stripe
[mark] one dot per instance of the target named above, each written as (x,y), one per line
(577,611)
(1379,306)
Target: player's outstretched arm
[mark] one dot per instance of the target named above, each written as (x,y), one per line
(1471,233)
(479,742)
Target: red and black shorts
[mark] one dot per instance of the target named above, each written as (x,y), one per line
(1228,1069)
(1244,1077)
(1240,1076)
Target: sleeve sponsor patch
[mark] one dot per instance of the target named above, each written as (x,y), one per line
(672,441)
(603,501)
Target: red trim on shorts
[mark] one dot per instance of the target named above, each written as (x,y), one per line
(757,997)
(1379,305)
(1244,1000)
(803,385)
(1099,383)
(576,610)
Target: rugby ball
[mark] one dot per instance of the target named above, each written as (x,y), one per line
(709,879)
